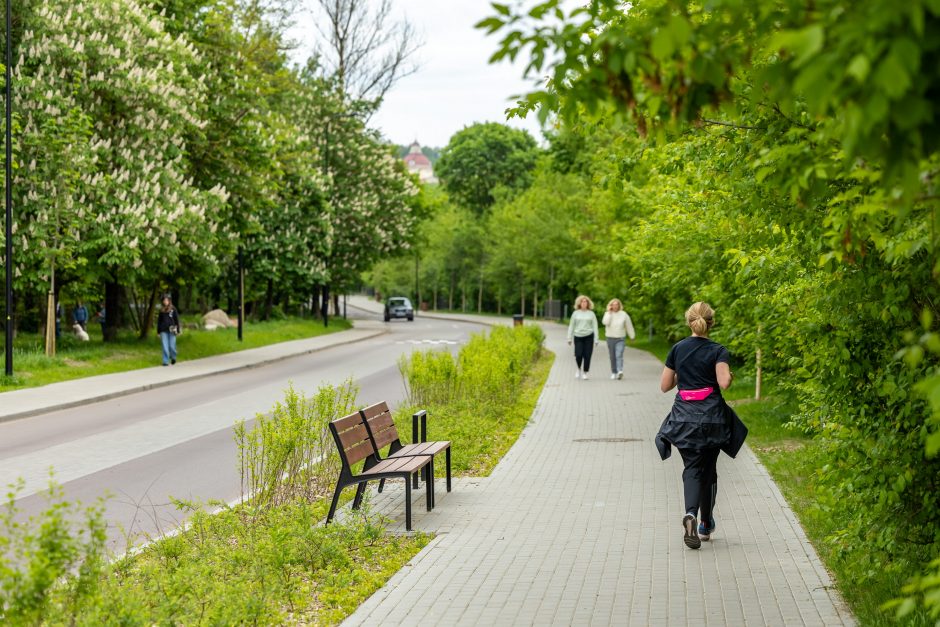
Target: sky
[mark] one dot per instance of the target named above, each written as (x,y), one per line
(453,86)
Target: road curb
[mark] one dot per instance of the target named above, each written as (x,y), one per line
(185,379)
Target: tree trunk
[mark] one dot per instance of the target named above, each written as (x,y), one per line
(336,310)
(112,310)
(434,304)
(450,296)
(480,294)
(522,299)
(147,322)
(463,296)
(535,302)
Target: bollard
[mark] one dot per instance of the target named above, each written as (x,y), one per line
(517,320)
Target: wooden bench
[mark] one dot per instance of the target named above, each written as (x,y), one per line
(355,444)
(381,426)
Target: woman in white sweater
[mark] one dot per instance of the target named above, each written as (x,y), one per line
(582,330)
(617,325)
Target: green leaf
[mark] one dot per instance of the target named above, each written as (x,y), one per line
(503,9)
(804,43)
(892,76)
(491,24)
(662,46)
(859,67)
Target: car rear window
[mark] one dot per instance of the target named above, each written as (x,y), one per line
(397,302)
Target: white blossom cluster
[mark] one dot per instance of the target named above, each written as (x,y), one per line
(105,98)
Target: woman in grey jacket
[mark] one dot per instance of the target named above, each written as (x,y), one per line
(582,330)
(617,327)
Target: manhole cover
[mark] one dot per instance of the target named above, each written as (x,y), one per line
(606,440)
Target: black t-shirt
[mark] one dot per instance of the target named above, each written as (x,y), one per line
(693,359)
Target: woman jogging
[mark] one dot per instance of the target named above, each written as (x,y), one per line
(582,329)
(617,326)
(700,424)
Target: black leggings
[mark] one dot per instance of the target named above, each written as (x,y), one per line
(700,481)
(583,349)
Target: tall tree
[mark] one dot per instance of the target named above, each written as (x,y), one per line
(115,63)
(483,158)
(365,50)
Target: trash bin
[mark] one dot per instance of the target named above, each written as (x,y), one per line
(517,320)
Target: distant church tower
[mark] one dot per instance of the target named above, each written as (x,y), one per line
(420,164)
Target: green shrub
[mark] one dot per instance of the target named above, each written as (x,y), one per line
(290,454)
(430,377)
(481,400)
(62,543)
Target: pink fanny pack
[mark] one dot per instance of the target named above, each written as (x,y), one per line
(695,395)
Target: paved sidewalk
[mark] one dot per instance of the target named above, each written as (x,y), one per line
(55,396)
(580,525)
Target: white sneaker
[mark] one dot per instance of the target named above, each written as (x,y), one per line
(613,376)
(584,376)
(620,374)
(577,374)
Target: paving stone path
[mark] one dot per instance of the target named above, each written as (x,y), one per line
(580,525)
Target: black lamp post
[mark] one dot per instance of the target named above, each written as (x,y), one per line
(9,197)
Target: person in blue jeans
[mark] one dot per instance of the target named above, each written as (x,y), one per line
(168,326)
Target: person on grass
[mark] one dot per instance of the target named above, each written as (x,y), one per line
(168,326)
(582,330)
(617,326)
(700,424)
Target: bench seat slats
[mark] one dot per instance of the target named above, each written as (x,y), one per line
(422,448)
(398,464)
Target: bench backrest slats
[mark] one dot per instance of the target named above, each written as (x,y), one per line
(381,424)
(352,438)
(372,411)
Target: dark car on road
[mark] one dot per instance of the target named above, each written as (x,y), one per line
(399,307)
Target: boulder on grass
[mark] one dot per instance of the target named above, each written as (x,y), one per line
(217,319)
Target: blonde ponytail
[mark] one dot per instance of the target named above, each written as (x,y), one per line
(700,317)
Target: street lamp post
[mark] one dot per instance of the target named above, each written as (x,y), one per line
(241,292)
(9,196)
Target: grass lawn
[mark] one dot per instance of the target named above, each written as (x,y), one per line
(75,360)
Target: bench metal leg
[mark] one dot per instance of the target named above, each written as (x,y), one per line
(447,457)
(360,491)
(407,504)
(415,477)
(381,485)
(329,517)
(429,484)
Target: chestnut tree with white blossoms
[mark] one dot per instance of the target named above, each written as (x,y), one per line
(138,217)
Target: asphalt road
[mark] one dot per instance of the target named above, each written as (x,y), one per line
(140,450)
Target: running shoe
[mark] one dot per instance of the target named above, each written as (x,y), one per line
(689,535)
(704,533)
